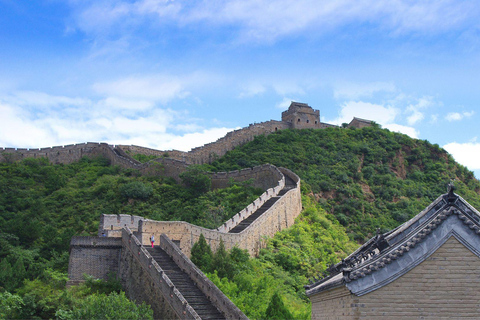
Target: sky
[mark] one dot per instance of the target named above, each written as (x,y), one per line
(171,74)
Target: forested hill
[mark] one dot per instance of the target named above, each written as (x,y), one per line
(367,178)
(353,182)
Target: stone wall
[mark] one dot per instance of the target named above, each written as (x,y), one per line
(334,304)
(144,281)
(444,286)
(96,256)
(360,123)
(70,153)
(280,216)
(210,290)
(112,224)
(264,177)
(301,116)
(213,150)
(233,139)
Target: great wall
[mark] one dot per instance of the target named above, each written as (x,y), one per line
(164,277)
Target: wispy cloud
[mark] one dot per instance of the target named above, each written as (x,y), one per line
(385,115)
(457,116)
(284,104)
(261,20)
(126,111)
(375,112)
(354,91)
(415,109)
(252,89)
(467,153)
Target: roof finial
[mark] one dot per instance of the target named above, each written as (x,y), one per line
(451,186)
(451,196)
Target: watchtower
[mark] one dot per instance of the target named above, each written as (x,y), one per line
(301,116)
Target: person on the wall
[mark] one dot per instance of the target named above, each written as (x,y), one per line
(152,239)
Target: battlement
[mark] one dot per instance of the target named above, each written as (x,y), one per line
(302,116)
(298,116)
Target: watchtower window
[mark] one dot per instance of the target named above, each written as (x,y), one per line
(308,121)
(316,122)
(298,120)
(276,129)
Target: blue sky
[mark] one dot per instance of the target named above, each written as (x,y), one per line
(178,74)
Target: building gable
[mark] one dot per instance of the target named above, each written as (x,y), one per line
(386,259)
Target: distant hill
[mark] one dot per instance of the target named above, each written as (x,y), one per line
(367,178)
(354,181)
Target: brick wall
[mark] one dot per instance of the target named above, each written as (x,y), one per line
(444,286)
(96,256)
(280,216)
(333,304)
(144,281)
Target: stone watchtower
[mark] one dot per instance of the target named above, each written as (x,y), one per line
(302,116)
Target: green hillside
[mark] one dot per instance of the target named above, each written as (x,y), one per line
(353,182)
(367,178)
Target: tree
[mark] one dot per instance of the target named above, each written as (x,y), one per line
(136,190)
(196,180)
(10,305)
(222,262)
(276,309)
(112,306)
(201,254)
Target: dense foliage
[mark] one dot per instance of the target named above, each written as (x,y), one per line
(47,297)
(283,267)
(353,181)
(367,178)
(43,205)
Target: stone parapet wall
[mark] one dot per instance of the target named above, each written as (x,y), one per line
(264,176)
(209,289)
(209,152)
(144,281)
(96,256)
(115,222)
(57,154)
(280,216)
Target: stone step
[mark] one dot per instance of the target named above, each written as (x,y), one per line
(194,296)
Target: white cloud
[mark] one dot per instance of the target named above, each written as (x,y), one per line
(156,88)
(287,87)
(353,91)
(366,110)
(36,119)
(384,115)
(467,154)
(192,140)
(412,132)
(284,104)
(262,20)
(456,116)
(416,115)
(252,89)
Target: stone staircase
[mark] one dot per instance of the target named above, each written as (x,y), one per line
(194,296)
(289,184)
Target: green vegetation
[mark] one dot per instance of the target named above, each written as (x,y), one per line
(47,297)
(353,181)
(142,157)
(367,178)
(43,205)
(282,268)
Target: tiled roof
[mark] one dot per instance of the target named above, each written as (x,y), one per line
(385,257)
